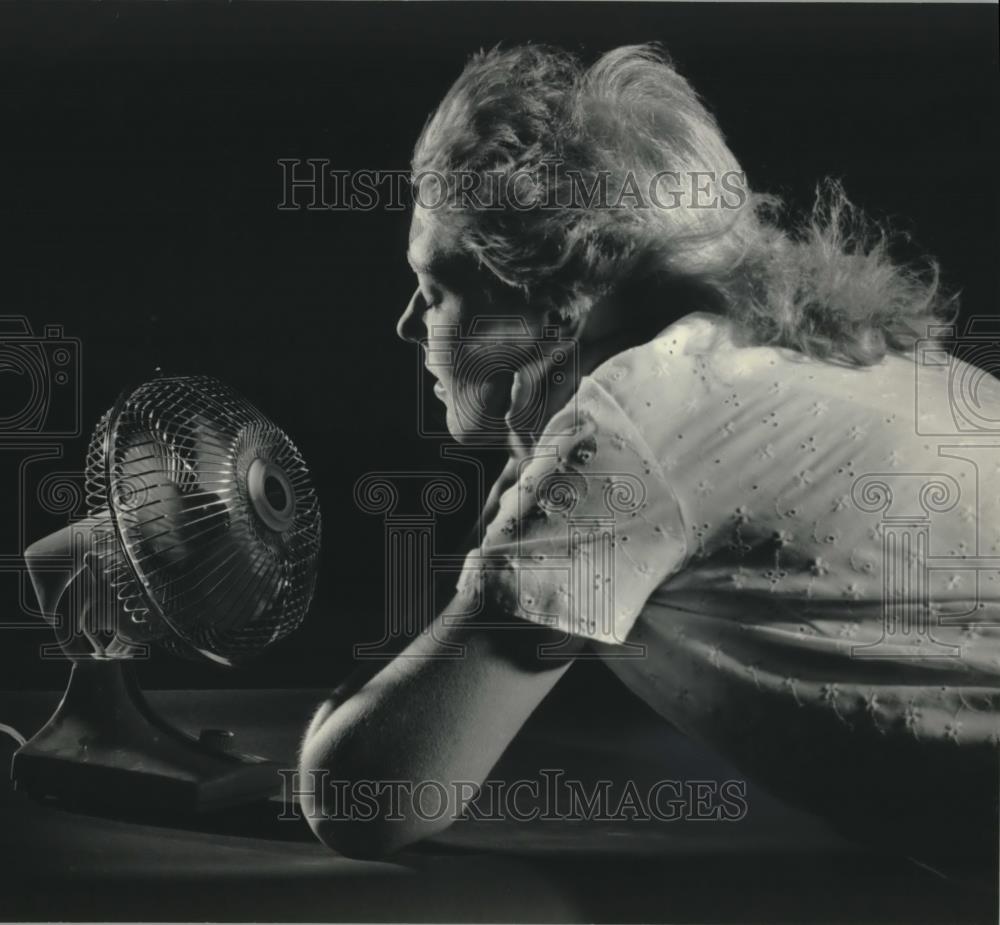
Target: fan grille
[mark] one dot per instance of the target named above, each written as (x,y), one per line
(171,462)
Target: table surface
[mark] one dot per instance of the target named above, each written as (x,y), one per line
(246,864)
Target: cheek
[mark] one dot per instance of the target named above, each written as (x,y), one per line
(484,395)
(478,378)
(444,329)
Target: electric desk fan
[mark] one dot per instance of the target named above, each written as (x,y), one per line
(202,537)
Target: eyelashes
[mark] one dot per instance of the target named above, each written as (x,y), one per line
(429,296)
(422,290)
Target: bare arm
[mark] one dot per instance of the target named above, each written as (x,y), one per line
(426,717)
(364,672)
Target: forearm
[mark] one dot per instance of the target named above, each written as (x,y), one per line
(425,717)
(366,670)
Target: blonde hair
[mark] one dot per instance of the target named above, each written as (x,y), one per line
(827,286)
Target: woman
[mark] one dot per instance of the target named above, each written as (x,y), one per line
(733,498)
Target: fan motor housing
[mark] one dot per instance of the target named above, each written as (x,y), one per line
(271,494)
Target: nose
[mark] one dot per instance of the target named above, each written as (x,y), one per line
(409,324)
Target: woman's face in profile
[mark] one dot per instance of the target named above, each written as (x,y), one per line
(473,340)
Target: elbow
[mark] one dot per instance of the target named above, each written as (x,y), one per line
(354,815)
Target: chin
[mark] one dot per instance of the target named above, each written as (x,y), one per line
(474,433)
(472,437)
(472,429)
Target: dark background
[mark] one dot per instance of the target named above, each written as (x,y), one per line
(139,193)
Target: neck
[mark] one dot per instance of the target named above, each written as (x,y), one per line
(612,325)
(630,318)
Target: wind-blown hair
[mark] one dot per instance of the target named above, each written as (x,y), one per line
(541,132)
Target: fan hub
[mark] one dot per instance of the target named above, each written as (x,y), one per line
(271,494)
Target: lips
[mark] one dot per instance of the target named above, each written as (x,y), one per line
(439,390)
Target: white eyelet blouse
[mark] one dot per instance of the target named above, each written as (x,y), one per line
(794,561)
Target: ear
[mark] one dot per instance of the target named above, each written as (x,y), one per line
(567,321)
(555,316)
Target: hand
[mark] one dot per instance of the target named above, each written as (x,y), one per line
(539,389)
(506,479)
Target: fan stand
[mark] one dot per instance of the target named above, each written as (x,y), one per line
(105,746)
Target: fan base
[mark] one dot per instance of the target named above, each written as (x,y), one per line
(105,747)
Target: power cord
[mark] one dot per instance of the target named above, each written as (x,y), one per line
(13,733)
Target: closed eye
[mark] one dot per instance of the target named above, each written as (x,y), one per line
(425,304)
(429,294)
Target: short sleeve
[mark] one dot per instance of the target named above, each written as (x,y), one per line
(590,528)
